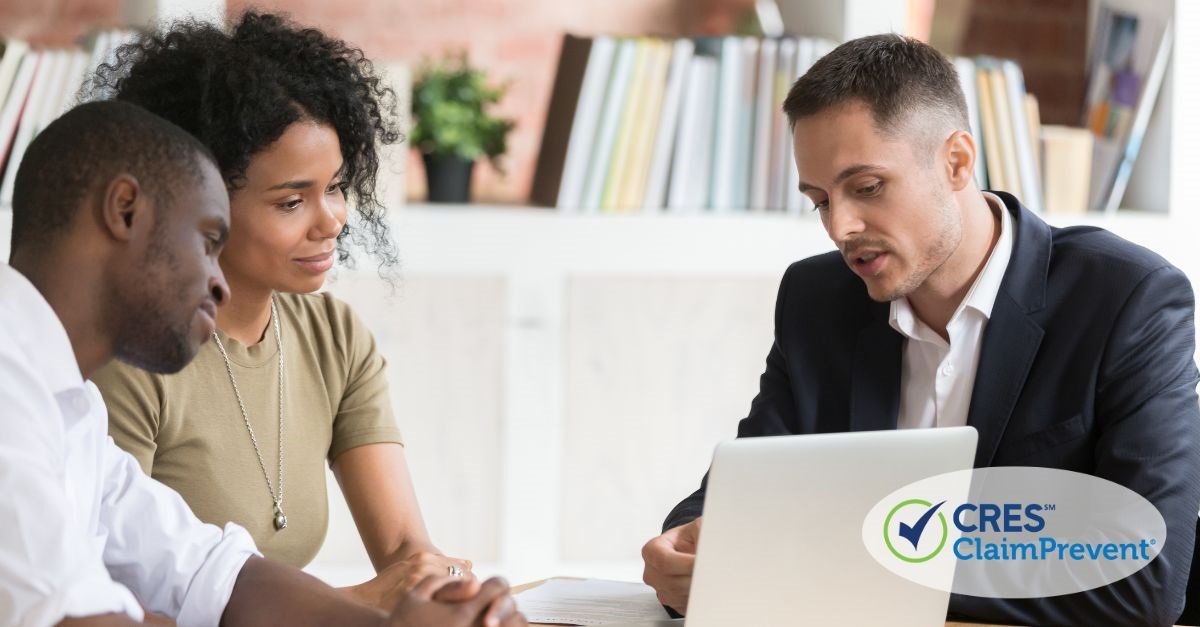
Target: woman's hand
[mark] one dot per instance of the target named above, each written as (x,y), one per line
(453,602)
(402,576)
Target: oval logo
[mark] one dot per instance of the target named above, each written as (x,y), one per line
(1014,532)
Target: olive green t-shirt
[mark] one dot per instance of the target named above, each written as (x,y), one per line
(186,429)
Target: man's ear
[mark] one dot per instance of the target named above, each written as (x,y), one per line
(122,207)
(960,159)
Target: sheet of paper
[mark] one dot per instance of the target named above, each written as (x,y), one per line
(589,602)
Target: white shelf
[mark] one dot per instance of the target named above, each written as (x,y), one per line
(472,238)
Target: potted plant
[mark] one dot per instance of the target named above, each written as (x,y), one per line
(452,128)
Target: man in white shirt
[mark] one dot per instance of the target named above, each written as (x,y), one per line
(118,219)
(947,305)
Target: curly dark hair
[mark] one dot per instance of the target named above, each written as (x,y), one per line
(238,91)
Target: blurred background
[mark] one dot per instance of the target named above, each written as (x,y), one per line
(572,334)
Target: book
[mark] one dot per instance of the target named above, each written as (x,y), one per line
(1005,128)
(14,105)
(1067,159)
(615,91)
(49,72)
(725,133)
(996,175)
(563,120)
(618,164)
(691,164)
(1014,80)
(632,188)
(747,93)
(1034,118)
(656,188)
(764,126)
(66,93)
(796,203)
(10,62)
(966,78)
(781,137)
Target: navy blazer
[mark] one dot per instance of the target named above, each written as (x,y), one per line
(1087,364)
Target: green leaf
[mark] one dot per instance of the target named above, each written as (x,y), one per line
(449,106)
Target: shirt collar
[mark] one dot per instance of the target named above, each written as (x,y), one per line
(982,295)
(38,332)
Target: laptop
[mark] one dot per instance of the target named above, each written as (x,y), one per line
(782,538)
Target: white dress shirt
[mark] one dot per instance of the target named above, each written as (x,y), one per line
(82,529)
(936,376)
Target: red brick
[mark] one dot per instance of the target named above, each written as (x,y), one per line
(88,11)
(1048,38)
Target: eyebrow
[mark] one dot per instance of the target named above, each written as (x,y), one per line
(307,183)
(292,185)
(853,170)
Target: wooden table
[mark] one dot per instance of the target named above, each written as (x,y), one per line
(534,584)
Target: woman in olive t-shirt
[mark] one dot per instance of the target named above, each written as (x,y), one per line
(292,379)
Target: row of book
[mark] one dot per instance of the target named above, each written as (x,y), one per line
(646,124)
(643,124)
(1006,125)
(36,86)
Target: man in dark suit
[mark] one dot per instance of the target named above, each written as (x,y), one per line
(944,305)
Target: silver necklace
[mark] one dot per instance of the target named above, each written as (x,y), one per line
(277,499)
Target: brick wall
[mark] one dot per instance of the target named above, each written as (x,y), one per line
(1048,38)
(55,22)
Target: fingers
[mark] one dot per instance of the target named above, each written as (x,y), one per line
(663,557)
(672,590)
(502,612)
(406,574)
(460,589)
(685,538)
(691,532)
(491,590)
(427,587)
(670,560)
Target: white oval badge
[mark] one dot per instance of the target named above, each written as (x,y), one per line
(1014,532)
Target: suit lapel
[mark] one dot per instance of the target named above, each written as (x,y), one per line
(875,377)
(1012,337)
(1010,343)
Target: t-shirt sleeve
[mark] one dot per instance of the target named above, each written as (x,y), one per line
(134,401)
(364,414)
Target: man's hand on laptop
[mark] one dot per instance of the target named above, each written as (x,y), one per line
(669,560)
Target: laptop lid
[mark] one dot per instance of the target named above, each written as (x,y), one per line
(781,542)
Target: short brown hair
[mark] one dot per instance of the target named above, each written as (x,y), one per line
(894,76)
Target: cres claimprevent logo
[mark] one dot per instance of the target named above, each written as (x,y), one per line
(915,530)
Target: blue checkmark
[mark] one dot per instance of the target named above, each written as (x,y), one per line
(913,533)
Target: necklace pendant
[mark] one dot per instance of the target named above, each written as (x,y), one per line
(280,519)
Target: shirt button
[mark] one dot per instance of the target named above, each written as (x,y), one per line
(948,370)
